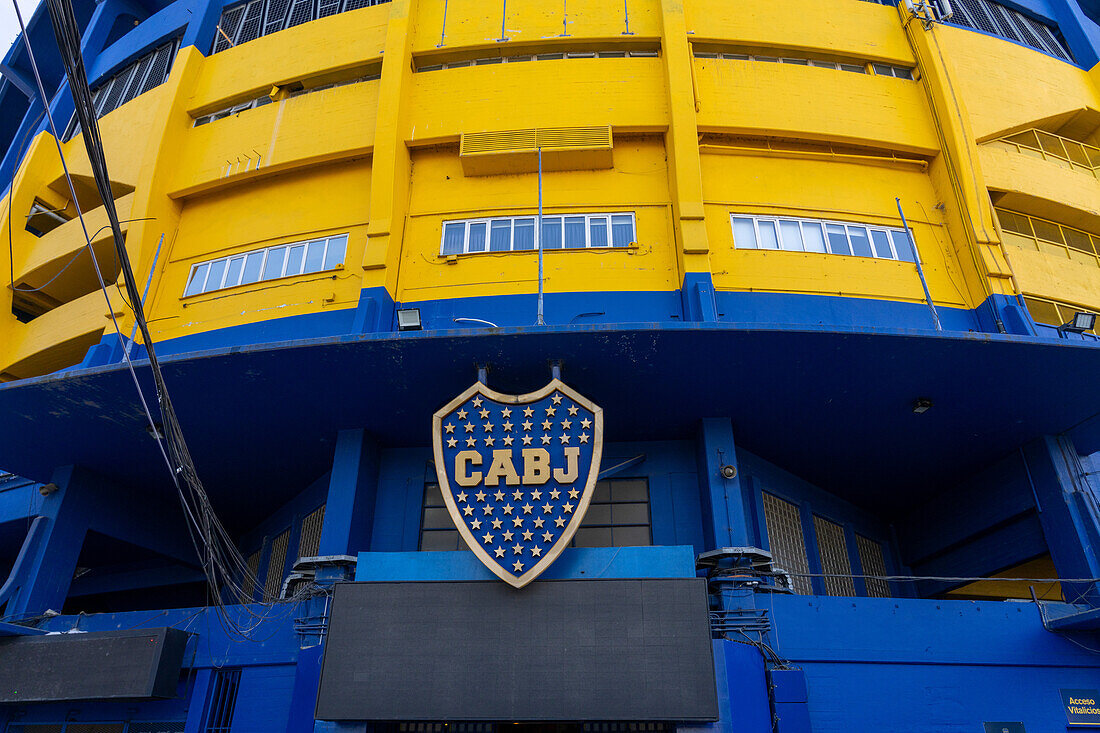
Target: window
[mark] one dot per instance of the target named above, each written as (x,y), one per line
(812,235)
(833,550)
(617,516)
(898,72)
(248,21)
(462,63)
(788,547)
(858,67)
(437,529)
(145,73)
(516,234)
(874,563)
(284,260)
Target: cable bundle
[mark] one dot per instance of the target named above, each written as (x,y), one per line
(226,571)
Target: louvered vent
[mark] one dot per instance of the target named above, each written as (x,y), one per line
(516,151)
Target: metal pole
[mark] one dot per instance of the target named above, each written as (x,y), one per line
(145,293)
(920,270)
(540,321)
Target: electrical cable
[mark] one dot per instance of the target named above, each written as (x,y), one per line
(221,561)
(11,193)
(945,578)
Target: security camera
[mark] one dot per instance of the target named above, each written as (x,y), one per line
(728,471)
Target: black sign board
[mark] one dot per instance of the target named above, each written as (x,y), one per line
(621,650)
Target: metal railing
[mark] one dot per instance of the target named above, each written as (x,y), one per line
(1052,148)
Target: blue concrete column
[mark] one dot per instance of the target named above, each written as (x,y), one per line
(353,486)
(1068,513)
(51,571)
(726,514)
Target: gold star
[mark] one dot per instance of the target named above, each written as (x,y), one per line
(507,535)
(467,511)
(566,424)
(488,538)
(573,410)
(488,427)
(547,537)
(508,440)
(517,566)
(500,552)
(477,402)
(584,437)
(476,524)
(480,496)
(507,427)
(536,495)
(546,424)
(526,424)
(517,495)
(484,414)
(507,412)
(550,411)
(527,440)
(556,399)
(559,522)
(451,442)
(528,412)
(517,549)
(567,508)
(539,521)
(554,493)
(517,521)
(487,510)
(574,494)
(461,496)
(527,508)
(499,496)
(469,427)
(461,414)
(545,440)
(564,439)
(471,441)
(527,535)
(547,508)
(536,551)
(450,428)
(497,523)
(507,508)
(490,440)
(586,423)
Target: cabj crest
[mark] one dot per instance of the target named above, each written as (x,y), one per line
(517,473)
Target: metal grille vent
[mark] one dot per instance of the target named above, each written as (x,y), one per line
(275,564)
(253,572)
(263,17)
(873,562)
(275,16)
(168,726)
(548,138)
(229,24)
(785,539)
(834,557)
(309,541)
(302,11)
(1000,20)
(95,728)
(222,701)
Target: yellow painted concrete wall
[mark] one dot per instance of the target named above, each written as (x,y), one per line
(379,159)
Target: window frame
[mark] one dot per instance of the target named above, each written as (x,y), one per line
(188,292)
(488,223)
(823,224)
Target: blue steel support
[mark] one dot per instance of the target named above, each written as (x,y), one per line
(349,510)
(196,710)
(699,301)
(54,561)
(726,515)
(1070,518)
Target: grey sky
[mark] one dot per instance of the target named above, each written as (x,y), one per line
(9,26)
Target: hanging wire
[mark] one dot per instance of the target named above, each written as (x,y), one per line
(222,563)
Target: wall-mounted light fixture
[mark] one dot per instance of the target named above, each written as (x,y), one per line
(408,319)
(1080,323)
(921,405)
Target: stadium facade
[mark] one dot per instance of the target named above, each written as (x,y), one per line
(829,270)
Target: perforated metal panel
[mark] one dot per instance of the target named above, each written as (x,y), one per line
(275,15)
(788,548)
(275,564)
(309,540)
(874,563)
(162,65)
(328,7)
(302,11)
(1003,21)
(230,24)
(253,572)
(834,557)
(164,726)
(252,26)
